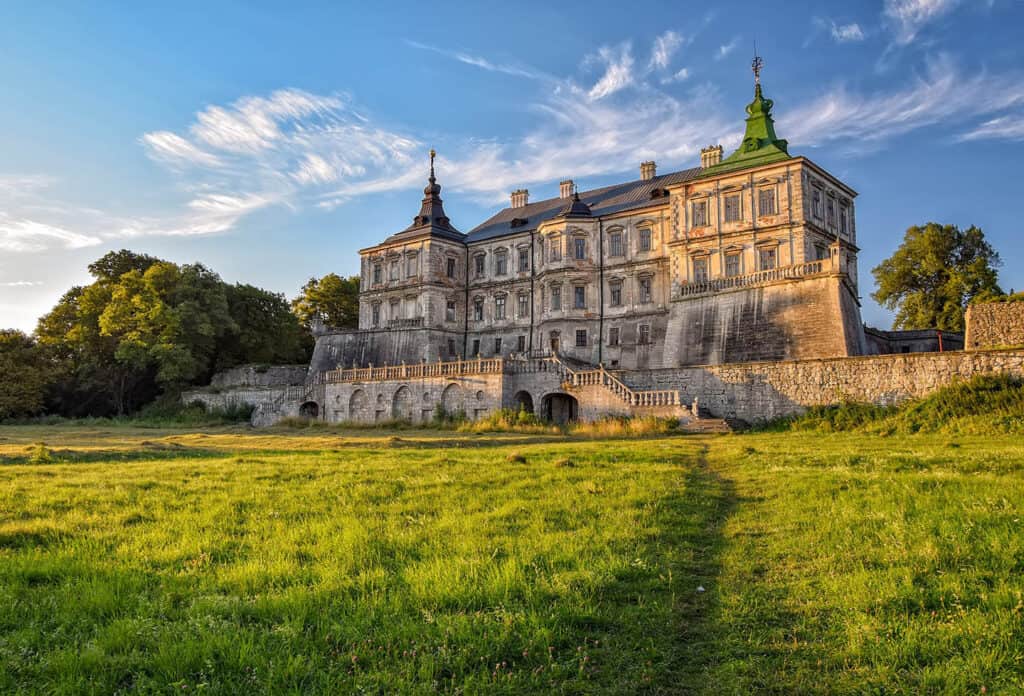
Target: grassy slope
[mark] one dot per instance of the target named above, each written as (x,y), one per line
(327,561)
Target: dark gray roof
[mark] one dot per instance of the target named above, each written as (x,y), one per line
(602,201)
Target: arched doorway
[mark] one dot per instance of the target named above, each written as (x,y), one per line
(359,406)
(451,400)
(559,408)
(310,409)
(522,401)
(401,405)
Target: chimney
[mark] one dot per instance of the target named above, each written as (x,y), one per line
(520,197)
(647,170)
(565,189)
(710,156)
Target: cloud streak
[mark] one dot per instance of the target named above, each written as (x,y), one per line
(906,18)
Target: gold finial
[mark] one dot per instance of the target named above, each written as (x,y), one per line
(756,66)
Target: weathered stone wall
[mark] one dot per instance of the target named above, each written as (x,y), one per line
(994,325)
(415,400)
(391,346)
(756,392)
(260,376)
(804,318)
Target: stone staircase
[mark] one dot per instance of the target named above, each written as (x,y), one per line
(603,378)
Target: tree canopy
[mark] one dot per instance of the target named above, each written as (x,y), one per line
(333,298)
(934,274)
(25,375)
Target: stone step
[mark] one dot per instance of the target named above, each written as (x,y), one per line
(707,425)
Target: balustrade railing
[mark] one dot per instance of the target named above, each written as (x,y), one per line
(782,273)
(412,323)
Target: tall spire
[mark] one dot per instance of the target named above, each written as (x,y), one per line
(760,143)
(432,208)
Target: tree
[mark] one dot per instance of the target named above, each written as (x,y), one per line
(334,298)
(25,375)
(266,330)
(934,275)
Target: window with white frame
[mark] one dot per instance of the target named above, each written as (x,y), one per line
(613,336)
(699,214)
(643,334)
(499,307)
(615,289)
(733,205)
(579,297)
(615,244)
(581,338)
(645,289)
(765,201)
(700,269)
(524,305)
(556,297)
(645,238)
(478,309)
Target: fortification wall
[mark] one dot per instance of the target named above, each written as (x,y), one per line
(756,392)
(260,376)
(377,347)
(994,325)
(800,319)
(413,399)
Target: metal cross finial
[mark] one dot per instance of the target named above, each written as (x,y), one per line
(756,65)
(432,156)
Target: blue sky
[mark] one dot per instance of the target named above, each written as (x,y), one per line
(272,141)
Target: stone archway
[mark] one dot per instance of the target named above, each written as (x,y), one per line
(310,409)
(559,408)
(452,400)
(359,406)
(522,401)
(401,404)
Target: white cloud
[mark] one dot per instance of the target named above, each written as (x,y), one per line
(483,63)
(665,46)
(725,49)
(174,149)
(847,33)
(21,284)
(678,76)
(20,235)
(907,17)
(1001,128)
(618,70)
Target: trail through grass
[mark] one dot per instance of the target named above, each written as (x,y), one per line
(238,561)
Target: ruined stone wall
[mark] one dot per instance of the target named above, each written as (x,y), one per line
(260,376)
(994,325)
(804,318)
(391,346)
(756,392)
(415,399)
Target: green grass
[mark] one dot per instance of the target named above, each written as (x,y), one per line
(324,561)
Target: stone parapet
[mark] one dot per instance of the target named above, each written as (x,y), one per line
(994,325)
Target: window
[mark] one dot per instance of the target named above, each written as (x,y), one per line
(393,310)
(579,297)
(766,259)
(616,292)
(524,306)
(500,263)
(732,265)
(830,210)
(700,214)
(478,309)
(645,290)
(410,266)
(476,347)
(451,267)
(376,314)
(816,202)
(378,274)
(613,336)
(645,239)
(393,274)
(556,297)
(499,307)
(643,334)
(478,265)
(732,208)
(615,244)
(843,211)
(579,248)
(820,252)
(555,247)
(497,346)
(700,269)
(581,338)
(521,344)
(524,260)
(766,202)
(449,310)
(451,347)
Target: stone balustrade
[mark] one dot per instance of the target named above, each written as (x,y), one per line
(798,270)
(413,323)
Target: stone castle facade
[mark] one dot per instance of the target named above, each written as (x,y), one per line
(635,298)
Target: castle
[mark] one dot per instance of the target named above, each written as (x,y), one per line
(661,295)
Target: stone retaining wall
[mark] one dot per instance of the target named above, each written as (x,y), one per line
(994,325)
(260,376)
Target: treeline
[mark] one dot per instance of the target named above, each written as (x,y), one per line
(146,328)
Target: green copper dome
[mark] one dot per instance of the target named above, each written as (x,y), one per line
(760,144)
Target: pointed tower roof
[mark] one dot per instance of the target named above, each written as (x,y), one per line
(760,144)
(431,218)
(575,208)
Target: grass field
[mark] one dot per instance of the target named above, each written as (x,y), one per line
(326,561)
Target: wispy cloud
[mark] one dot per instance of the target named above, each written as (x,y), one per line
(481,62)
(725,49)
(847,33)
(21,235)
(1001,128)
(618,70)
(677,76)
(906,18)
(21,284)
(665,46)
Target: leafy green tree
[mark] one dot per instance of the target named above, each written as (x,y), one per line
(25,375)
(266,330)
(334,298)
(934,275)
